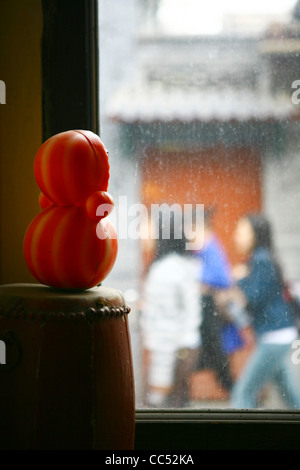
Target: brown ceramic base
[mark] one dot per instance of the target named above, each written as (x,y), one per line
(68,378)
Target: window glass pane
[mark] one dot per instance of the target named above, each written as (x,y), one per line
(199,111)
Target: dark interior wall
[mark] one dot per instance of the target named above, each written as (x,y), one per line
(20,129)
(48,58)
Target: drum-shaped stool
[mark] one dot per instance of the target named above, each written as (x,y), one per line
(67,381)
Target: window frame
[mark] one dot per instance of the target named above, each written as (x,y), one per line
(217,430)
(70,100)
(70,83)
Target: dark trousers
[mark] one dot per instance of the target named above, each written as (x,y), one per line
(212,355)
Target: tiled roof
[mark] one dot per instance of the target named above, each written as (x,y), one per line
(154,102)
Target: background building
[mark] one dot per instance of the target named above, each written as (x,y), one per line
(202,119)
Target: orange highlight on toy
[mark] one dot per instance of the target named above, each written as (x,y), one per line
(62,246)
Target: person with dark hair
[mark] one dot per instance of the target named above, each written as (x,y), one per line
(170,318)
(214,274)
(261,290)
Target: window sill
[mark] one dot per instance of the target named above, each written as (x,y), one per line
(217,430)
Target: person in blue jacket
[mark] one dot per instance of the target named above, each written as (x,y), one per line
(214,275)
(261,290)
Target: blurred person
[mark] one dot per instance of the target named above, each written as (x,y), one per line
(214,275)
(261,290)
(170,320)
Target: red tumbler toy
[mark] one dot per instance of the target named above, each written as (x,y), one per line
(68,245)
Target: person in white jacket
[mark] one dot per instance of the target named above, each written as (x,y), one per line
(170,323)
